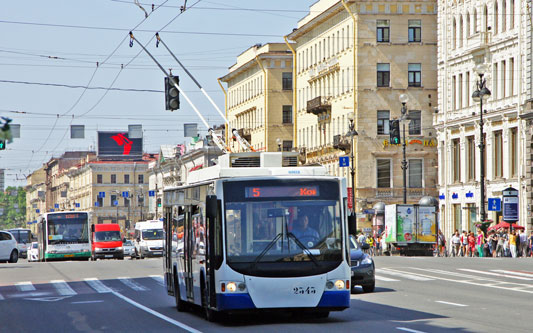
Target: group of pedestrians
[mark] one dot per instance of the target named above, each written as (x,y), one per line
(496,243)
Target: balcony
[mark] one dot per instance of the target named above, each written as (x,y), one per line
(245,133)
(341,142)
(318,105)
(479,41)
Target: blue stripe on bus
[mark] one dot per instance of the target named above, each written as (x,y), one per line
(337,298)
(234,302)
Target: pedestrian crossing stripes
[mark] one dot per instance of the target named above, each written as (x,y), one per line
(63,288)
(382,278)
(98,285)
(388,271)
(25,286)
(132,284)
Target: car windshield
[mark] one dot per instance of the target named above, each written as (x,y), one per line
(270,223)
(152,234)
(107,236)
(128,243)
(354,245)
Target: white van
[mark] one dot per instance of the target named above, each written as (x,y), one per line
(148,239)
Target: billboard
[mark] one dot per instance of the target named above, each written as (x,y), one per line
(406,218)
(117,145)
(427,224)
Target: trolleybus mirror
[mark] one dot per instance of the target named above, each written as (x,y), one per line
(211,206)
(352,230)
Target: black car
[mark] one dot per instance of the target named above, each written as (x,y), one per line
(363,269)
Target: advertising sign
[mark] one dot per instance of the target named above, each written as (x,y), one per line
(426,227)
(510,205)
(406,217)
(390,223)
(118,145)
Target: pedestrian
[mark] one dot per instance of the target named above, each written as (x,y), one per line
(493,243)
(442,244)
(523,243)
(517,243)
(456,243)
(480,241)
(471,245)
(512,243)
(500,247)
(464,243)
(531,244)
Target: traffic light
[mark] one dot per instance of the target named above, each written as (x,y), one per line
(394,132)
(172,94)
(2,144)
(158,202)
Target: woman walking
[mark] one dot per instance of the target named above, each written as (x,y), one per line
(512,243)
(480,241)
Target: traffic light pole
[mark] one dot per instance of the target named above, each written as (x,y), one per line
(404,166)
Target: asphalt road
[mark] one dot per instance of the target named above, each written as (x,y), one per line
(412,295)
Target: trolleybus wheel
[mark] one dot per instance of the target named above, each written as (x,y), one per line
(210,314)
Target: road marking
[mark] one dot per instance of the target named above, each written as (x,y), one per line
(98,285)
(409,330)
(403,274)
(525,274)
(159,279)
(63,288)
(86,302)
(450,303)
(157,314)
(506,274)
(132,284)
(1,297)
(382,278)
(25,286)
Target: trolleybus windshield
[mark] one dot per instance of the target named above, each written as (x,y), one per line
(287,227)
(67,228)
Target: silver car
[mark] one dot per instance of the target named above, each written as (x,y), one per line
(129,249)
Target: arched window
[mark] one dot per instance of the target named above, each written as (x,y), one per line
(504,15)
(496,14)
(460,32)
(468,26)
(474,27)
(511,16)
(485,19)
(454,37)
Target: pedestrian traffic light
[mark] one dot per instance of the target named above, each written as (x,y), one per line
(2,144)
(158,202)
(394,132)
(172,94)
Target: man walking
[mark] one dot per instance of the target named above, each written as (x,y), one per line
(456,243)
(523,243)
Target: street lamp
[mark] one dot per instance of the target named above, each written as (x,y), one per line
(352,132)
(404,99)
(278,141)
(482,93)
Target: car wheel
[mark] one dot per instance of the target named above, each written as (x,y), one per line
(14,257)
(369,287)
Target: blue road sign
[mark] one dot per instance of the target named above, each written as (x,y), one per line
(96,204)
(151,193)
(37,210)
(125,194)
(495,204)
(115,203)
(344,161)
(52,210)
(77,204)
(56,205)
(101,194)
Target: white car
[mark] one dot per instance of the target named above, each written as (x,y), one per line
(33,252)
(8,247)
(129,249)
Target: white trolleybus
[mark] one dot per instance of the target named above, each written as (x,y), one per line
(64,236)
(269,237)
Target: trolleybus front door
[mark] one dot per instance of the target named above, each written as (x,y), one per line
(188,251)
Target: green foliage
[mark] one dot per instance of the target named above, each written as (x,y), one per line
(13,208)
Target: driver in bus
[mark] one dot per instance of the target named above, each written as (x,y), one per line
(304,232)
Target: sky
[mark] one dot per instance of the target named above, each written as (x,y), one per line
(68,62)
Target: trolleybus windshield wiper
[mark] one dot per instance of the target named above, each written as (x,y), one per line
(269,246)
(303,247)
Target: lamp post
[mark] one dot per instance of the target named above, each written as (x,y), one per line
(352,132)
(482,93)
(404,99)
(278,141)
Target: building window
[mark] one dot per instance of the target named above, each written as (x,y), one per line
(415,127)
(126,179)
(140,179)
(113,198)
(100,202)
(383,31)
(383,122)
(287,114)
(113,179)
(415,31)
(384,173)
(498,154)
(456,157)
(99,179)
(415,73)
(126,202)
(457,224)
(471,160)
(511,77)
(415,173)
(287,81)
(514,152)
(383,75)
(287,145)
(472,216)
(460,91)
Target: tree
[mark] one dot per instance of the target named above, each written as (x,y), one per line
(13,208)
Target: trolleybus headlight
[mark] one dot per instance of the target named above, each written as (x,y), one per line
(339,284)
(329,285)
(231,286)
